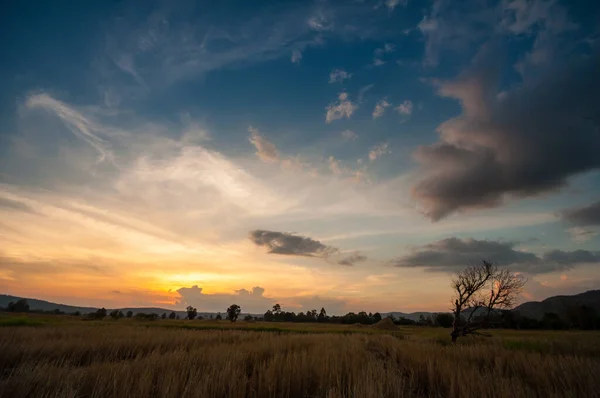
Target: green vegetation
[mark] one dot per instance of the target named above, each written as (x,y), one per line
(209,358)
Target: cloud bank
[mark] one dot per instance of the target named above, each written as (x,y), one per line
(453,254)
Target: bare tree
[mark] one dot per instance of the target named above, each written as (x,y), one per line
(481,289)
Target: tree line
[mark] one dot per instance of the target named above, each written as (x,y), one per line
(483,297)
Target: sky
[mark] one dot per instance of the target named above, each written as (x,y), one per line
(350,155)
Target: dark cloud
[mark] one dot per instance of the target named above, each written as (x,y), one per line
(583,216)
(572,257)
(14,205)
(289,244)
(453,254)
(521,143)
(352,259)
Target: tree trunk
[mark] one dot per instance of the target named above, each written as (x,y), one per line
(454,336)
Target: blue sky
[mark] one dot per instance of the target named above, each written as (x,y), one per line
(352,153)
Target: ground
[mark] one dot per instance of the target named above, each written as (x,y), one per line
(60,356)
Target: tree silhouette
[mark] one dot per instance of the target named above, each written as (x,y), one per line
(322,315)
(100,314)
(129,314)
(218,317)
(191,312)
(163,316)
(172,315)
(481,289)
(233,312)
(20,306)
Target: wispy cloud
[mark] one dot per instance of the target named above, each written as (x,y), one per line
(392,4)
(405,108)
(265,150)
(379,150)
(380,108)
(338,76)
(81,126)
(296,56)
(349,135)
(342,109)
(379,53)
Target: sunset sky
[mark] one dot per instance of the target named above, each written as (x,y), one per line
(350,155)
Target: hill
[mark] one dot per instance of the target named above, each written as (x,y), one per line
(43,305)
(559,304)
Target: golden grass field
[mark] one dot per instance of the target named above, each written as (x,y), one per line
(53,356)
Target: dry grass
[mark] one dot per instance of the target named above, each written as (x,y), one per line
(126,359)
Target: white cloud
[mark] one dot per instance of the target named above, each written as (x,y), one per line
(265,150)
(405,108)
(344,108)
(349,135)
(338,76)
(296,56)
(379,150)
(334,165)
(391,4)
(380,108)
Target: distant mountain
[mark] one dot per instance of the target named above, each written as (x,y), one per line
(42,305)
(532,309)
(559,304)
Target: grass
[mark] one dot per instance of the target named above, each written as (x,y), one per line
(71,358)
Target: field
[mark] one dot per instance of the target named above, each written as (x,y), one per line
(52,356)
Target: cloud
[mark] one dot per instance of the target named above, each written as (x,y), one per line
(583,216)
(338,76)
(405,108)
(252,301)
(334,165)
(349,135)
(363,90)
(352,259)
(452,26)
(296,56)
(255,302)
(380,52)
(456,253)
(81,126)
(579,234)
(344,108)
(528,143)
(265,150)
(379,150)
(391,4)
(319,23)
(380,108)
(452,254)
(13,205)
(570,258)
(290,244)
(545,20)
